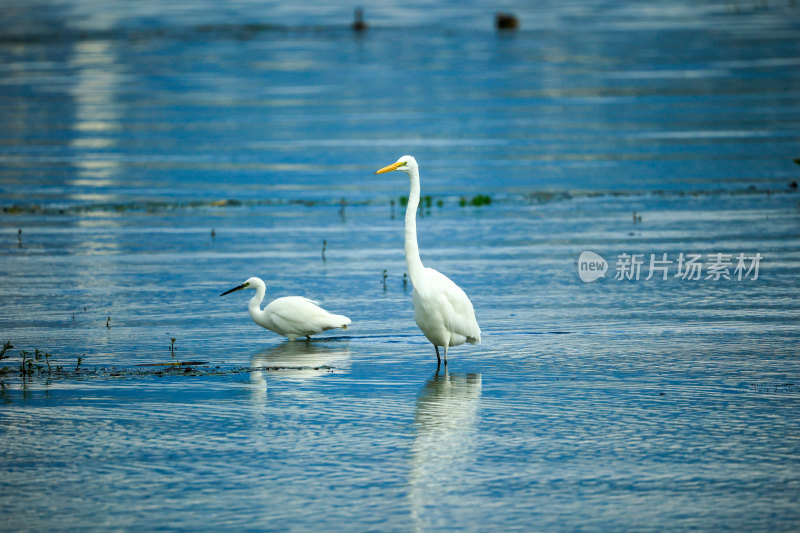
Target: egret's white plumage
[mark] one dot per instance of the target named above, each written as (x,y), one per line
(290,316)
(441,309)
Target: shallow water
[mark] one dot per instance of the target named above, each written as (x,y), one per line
(613,405)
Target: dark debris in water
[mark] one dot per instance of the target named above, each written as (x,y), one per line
(236,31)
(542,197)
(536,197)
(189,368)
(775,387)
(155,207)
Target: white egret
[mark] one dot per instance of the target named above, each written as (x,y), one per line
(290,316)
(441,309)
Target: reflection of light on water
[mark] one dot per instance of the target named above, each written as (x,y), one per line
(296,361)
(444,443)
(96,115)
(96,111)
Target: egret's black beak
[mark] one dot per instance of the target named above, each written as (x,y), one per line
(240,287)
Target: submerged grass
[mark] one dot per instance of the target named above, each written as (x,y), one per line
(36,363)
(536,196)
(31,368)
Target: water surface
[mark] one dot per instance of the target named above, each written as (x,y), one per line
(130,133)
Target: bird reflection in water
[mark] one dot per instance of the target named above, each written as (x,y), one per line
(444,445)
(297,361)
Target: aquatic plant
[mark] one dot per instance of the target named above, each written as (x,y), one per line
(26,363)
(6,347)
(41,354)
(481,199)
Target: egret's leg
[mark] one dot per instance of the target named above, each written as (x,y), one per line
(445,355)
(438,359)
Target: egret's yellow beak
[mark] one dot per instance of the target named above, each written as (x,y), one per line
(391,167)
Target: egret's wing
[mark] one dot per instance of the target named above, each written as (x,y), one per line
(294,314)
(301,316)
(460,315)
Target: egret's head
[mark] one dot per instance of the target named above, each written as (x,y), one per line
(405,163)
(251,283)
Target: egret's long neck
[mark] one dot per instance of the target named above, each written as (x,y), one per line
(254,306)
(413,262)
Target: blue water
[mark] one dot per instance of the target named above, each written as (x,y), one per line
(130,131)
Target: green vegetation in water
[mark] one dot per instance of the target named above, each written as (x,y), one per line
(426,202)
(476,201)
(481,199)
(30,363)
(37,364)
(6,347)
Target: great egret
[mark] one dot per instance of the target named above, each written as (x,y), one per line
(441,309)
(290,316)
